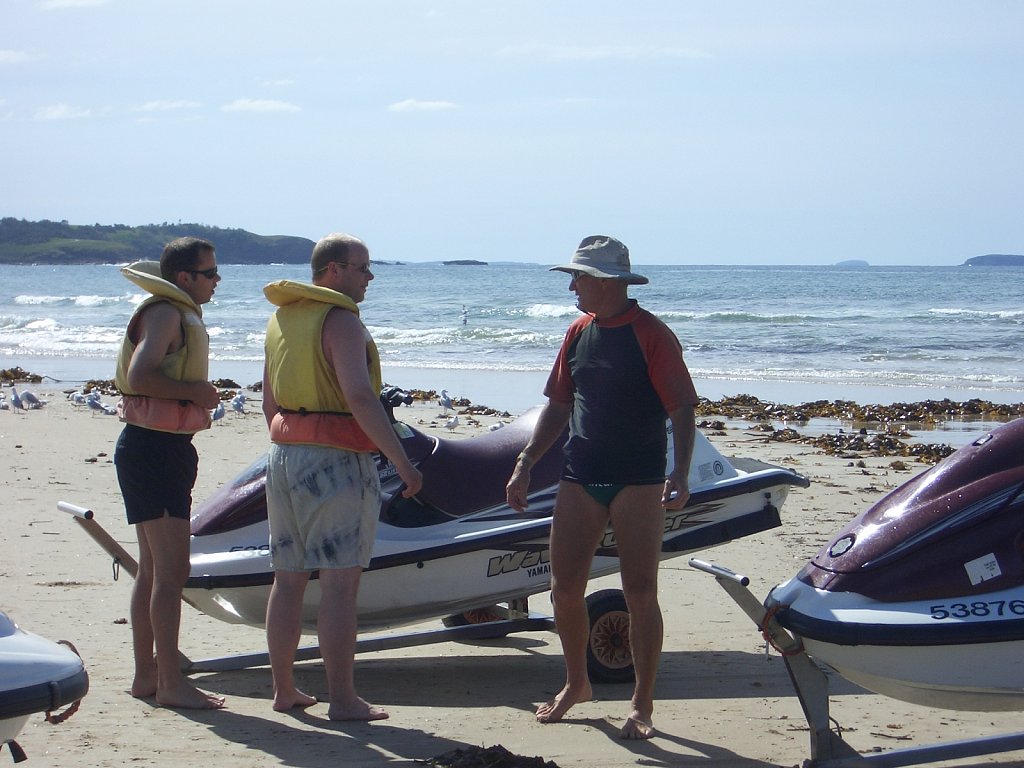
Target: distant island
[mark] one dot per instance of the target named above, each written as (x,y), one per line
(57,242)
(995,260)
(464,263)
(853,263)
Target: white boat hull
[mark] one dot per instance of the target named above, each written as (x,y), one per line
(962,654)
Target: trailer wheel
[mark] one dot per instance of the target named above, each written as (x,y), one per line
(609,657)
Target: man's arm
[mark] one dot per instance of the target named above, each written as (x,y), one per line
(549,426)
(269,402)
(684,431)
(160,334)
(344,343)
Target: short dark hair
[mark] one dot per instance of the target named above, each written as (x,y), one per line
(182,255)
(333,247)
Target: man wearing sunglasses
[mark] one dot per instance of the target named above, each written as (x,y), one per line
(162,372)
(618,375)
(321,398)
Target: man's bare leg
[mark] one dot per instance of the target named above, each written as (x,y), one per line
(145,680)
(284,630)
(638,521)
(337,626)
(168,539)
(576,528)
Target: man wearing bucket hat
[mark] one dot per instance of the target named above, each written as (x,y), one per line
(618,375)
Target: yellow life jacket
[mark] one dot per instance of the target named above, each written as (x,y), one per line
(311,406)
(190,363)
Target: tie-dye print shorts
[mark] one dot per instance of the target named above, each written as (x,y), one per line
(322,504)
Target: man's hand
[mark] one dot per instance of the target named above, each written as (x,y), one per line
(518,487)
(205,395)
(413,480)
(677,490)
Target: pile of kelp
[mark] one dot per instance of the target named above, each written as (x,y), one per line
(853,445)
(18,376)
(491,757)
(924,412)
(889,424)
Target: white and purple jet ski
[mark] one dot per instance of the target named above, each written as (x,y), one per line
(921,597)
(457,545)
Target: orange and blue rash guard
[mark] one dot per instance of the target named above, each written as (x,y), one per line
(622,376)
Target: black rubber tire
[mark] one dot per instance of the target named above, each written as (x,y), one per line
(609,658)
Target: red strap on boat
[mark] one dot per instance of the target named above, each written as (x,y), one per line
(769,638)
(60,717)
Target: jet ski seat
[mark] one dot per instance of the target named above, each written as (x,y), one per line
(465,476)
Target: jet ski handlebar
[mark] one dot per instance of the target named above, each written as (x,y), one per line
(392,397)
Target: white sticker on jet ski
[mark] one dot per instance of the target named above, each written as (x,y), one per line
(983,568)
(705,472)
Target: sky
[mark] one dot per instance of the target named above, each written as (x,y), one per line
(697,132)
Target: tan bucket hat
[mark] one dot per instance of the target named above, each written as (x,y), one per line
(602,257)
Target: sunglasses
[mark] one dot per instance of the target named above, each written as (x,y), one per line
(209,274)
(364,268)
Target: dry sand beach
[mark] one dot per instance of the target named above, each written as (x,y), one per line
(721,701)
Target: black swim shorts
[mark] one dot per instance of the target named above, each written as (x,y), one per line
(156,472)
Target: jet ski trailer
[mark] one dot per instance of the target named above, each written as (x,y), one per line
(919,598)
(457,547)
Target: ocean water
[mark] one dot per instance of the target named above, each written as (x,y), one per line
(785,333)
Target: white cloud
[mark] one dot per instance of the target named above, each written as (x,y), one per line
(416,105)
(166,105)
(13,57)
(48,5)
(601,52)
(61,112)
(260,105)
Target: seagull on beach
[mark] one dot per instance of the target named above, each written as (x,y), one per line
(452,423)
(445,402)
(98,406)
(238,404)
(16,404)
(31,401)
(77,398)
(218,412)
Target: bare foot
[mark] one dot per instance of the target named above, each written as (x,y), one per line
(144,685)
(185,696)
(295,699)
(357,709)
(637,727)
(554,710)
